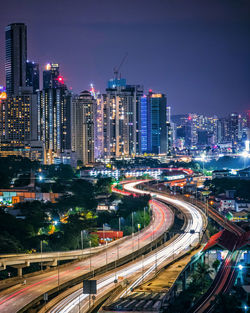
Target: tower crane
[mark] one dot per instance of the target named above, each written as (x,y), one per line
(117,68)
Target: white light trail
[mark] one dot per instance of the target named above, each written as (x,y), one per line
(183,242)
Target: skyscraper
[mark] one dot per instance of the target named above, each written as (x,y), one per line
(32,75)
(21,113)
(122,111)
(16,56)
(155,129)
(83,117)
(99,126)
(51,77)
(54,121)
(234,128)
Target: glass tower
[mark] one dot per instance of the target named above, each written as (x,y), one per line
(16,56)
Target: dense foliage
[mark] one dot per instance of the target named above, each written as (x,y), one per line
(220,185)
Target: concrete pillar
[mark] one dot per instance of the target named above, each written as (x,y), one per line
(19,271)
(20,267)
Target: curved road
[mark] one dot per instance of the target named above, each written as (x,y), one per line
(15,298)
(77,302)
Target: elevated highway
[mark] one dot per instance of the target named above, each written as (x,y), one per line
(140,269)
(19,298)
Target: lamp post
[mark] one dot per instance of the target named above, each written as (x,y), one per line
(58,281)
(132,224)
(82,242)
(106,253)
(41,249)
(144,209)
(90,255)
(138,226)
(119,223)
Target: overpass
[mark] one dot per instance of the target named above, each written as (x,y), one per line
(23,297)
(139,270)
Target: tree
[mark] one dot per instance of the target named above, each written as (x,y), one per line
(225,303)
(103,186)
(201,276)
(216,265)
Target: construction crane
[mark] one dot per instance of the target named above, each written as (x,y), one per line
(117,69)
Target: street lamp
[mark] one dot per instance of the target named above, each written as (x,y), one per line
(144,217)
(133,223)
(41,249)
(119,223)
(90,255)
(82,242)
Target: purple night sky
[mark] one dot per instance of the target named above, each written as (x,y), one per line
(195,51)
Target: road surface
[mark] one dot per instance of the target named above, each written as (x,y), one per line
(15,298)
(77,302)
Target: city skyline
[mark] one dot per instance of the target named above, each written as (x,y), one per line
(194,55)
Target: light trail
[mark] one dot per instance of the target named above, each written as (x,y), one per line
(12,301)
(180,244)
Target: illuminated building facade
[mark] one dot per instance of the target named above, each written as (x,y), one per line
(21,116)
(16,56)
(54,126)
(156,130)
(99,126)
(3,96)
(51,77)
(234,128)
(19,136)
(83,127)
(122,111)
(32,75)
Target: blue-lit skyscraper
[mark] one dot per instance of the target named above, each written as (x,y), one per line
(153,124)
(144,124)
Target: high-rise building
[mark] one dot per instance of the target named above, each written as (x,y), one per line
(54,122)
(3,97)
(121,125)
(99,126)
(223,131)
(51,77)
(21,116)
(168,114)
(156,132)
(234,128)
(83,127)
(169,141)
(16,56)
(32,75)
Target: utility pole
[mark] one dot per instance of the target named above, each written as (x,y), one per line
(144,209)
(90,256)
(132,224)
(58,282)
(41,249)
(82,242)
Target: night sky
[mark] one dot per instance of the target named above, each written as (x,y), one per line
(198,52)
